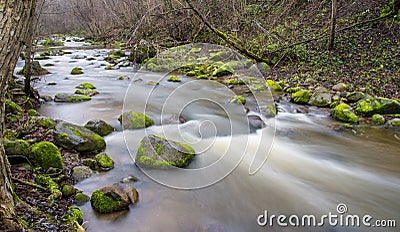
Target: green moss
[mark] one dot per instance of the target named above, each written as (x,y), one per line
(344,112)
(45,155)
(135,120)
(394,122)
(123,78)
(293,90)
(16,147)
(191,74)
(203,77)
(60,97)
(174,79)
(74,214)
(224,70)
(153,83)
(45,122)
(110,67)
(301,97)
(12,107)
(235,81)
(104,161)
(68,190)
(273,85)
(86,86)
(76,71)
(239,100)
(378,119)
(81,199)
(52,186)
(368,106)
(105,204)
(32,112)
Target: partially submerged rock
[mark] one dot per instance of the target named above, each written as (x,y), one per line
(370,106)
(76,71)
(79,138)
(116,197)
(273,85)
(344,113)
(135,120)
(99,126)
(301,97)
(86,85)
(158,152)
(104,161)
(80,173)
(81,199)
(224,70)
(46,155)
(174,79)
(320,99)
(66,97)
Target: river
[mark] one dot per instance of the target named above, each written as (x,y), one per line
(312,165)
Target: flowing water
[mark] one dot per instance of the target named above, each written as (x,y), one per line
(311,168)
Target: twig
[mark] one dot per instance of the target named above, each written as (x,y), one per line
(28,183)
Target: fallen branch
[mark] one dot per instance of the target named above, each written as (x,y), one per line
(29,183)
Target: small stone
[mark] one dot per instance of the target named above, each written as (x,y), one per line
(341,87)
(104,161)
(80,173)
(378,119)
(68,190)
(81,199)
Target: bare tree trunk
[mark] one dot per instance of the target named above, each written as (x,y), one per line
(28,60)
(15,18)
(331,41)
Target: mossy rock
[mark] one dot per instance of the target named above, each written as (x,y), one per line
(116,197)
(99,126)
(104,161)
(68,190)
(42,121)
(52,187)
(86,92)
(191,74)
(368,106)
(354,96)
(46,155)
(293,90)
(301,97)
(16,147)
(344,113)
(320,99)
(74,214)
(174,79)
(37,70)
(78,138)
(203,77)
(123,78)
(76,71)
(239,100)
(80,173)
(378,119)
(394,122)
(236,81)
(81,199)
(135,120)
(33,112)
(153,83)
(389,106)
(110,67)
(224,70)
(12,107)
(72,98)
(273,85)
(86,86)
(158,152)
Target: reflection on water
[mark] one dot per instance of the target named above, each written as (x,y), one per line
(312,167)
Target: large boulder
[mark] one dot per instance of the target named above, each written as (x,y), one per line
(99,126)
(135,120)
(370,106)
(158,152)
(320,99)
(116,197)
(67,97)
(78,138)
(16,147)
(46,155)
(344,113)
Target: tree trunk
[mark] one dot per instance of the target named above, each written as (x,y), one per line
(331,41)
(15,17)
(28,60)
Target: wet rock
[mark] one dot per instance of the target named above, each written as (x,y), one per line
(79,138)
(370,106)
(66,97)
(320,99)
(79,57)
(104,161)
(37,70)
(116,197)
(135,120)
(394,122)
(76,71)
(158,152)
(80,173)
(273,85)
(99,126)
(129,179)
(174,79)
(123,78)
(378,119)
(224,70)
(87,92)
(301,97)
(68,190)
(341,87)
(355,96)
(46,98)
(239,99)
(16,147)
(46,155)
(81,199)
(344,113)
(86,85)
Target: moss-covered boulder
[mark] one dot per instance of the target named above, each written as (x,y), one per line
(116,197)
(370,106)
(273,85)
(76,71)
(344,113)
(52,187)
(174,79)
(320,99)
(87,92)
(78,138)
(135,120)
(301,97)
(239,99)
(86,85)
(80,173)
(12,107)
(224,70)
(378,119)
(37,70)
(354,96)
(158,152)
(389,106)
(68,190)
(104,161)
(81,199)
(16,147)
(99,126)
(394,122)
(46,155)
(72,98)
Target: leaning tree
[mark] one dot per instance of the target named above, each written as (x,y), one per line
(15,18)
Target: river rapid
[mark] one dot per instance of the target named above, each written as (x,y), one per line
(311,166)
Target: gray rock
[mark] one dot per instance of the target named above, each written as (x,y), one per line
(341,87)
(135,120)
(320,99)
(79,138)
(100,127)
(158,152)
(80,173)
